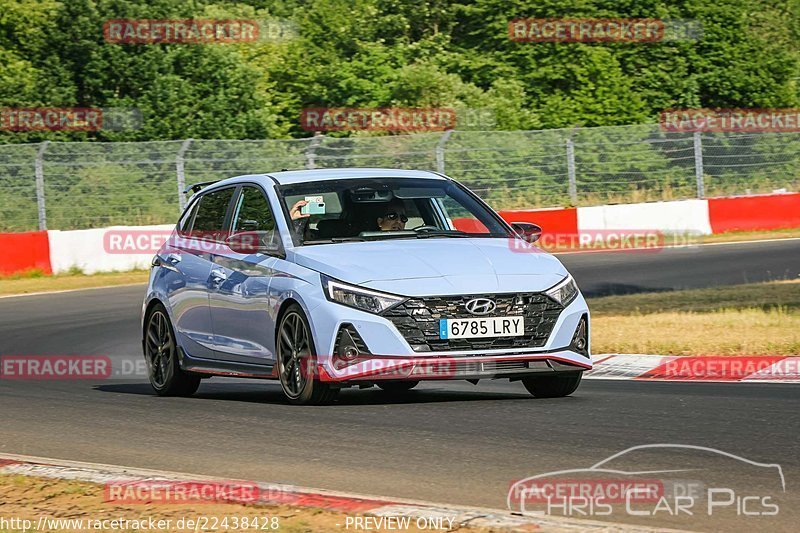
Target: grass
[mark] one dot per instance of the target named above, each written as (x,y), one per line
(36,281)
(752,319)
(763,296)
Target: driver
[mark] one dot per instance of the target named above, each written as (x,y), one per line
(393,217)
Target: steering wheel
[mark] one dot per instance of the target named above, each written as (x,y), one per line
(425,227)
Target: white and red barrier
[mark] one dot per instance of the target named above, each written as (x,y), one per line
(699,217)
(59,251)
(685,216)
(757,369)
(90,250)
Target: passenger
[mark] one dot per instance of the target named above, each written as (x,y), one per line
(295,212)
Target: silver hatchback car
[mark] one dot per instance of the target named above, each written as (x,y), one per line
(325,279)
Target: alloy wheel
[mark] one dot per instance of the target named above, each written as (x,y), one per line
(160,349)
(294,352)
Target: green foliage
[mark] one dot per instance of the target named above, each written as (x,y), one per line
(391,53)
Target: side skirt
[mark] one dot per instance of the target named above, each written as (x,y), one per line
(209,368)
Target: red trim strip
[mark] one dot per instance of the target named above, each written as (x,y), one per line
(394,366)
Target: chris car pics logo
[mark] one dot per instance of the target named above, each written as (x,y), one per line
(656,480)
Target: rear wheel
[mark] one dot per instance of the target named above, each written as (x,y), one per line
(296,361)
(552,386)
(161,354)
(397,387)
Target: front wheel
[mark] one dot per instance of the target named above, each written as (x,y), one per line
(552,386)
(296,360)
(161,354)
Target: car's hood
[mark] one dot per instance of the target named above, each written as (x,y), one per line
(434,266)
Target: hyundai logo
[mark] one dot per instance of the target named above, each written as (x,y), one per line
(480,306)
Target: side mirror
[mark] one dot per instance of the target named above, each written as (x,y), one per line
(527,231)
(251,242)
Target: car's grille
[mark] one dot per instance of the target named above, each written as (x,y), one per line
(417,319)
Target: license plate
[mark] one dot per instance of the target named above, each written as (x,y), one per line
(474,328)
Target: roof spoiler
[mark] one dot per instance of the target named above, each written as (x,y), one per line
(194,187)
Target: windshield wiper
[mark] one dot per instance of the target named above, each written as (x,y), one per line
(386,235)
(443,233)
(335,239)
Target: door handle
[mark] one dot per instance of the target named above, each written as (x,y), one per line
(218,275)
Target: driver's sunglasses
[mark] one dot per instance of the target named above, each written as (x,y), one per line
(395,216)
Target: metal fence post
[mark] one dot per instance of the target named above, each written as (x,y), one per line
(698,165)
(39,171)
(180,171)
(311,152)
(573,184)
(440,151)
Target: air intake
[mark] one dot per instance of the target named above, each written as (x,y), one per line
(580,341)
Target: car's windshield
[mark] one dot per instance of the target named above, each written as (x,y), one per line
(329,211)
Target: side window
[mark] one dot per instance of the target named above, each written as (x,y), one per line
(460,218)
(253,213)
(185,224)
(209,222)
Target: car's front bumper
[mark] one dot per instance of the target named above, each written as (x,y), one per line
(374,368)
(391,356)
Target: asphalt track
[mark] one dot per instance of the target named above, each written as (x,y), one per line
(454,443)
(600,274)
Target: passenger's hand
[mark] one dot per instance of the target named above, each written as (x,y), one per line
(295,213)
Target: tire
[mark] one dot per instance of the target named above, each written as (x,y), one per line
(553,386)
(397,387)
(161,355)
(297,359)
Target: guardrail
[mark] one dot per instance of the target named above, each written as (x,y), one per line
(95,250)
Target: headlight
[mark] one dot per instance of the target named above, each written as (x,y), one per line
(564,292)
(363,299)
